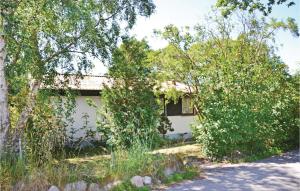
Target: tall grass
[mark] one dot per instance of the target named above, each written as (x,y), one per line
(121,165)
(20,174)
(11,169)
(136,160)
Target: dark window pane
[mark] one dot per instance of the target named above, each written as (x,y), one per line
(174,108)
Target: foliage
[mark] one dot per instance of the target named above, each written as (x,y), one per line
(165,125)
(251,5)
(189,174)
(242,93)
(132,111)
(129,187)
(63,35)
(102,169)
(259,156)
(41,144)
(11,170)
(135,161)
(15,172)
(229,6)
(46,37)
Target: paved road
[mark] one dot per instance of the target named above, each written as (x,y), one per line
(276,173)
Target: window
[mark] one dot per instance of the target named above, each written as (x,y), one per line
(187,107)
(174,108)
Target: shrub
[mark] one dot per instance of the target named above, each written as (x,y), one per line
(45,135)
(132,111)
(242,92)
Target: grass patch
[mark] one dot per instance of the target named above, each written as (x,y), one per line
(189,174)
(129,187)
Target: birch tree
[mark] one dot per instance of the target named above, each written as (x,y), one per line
(4,112)
(41,37)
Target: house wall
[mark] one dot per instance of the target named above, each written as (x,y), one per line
(181,124)
(81,109)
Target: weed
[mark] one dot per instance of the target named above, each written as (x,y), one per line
(137,160)
(178,177)
(129,187)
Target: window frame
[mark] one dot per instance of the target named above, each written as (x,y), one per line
(190,107)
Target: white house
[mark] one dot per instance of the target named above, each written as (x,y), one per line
(180,114)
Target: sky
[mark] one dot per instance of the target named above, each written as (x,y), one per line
(191,12)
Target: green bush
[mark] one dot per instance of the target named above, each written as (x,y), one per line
(131,110)
(256,117)
(243,95)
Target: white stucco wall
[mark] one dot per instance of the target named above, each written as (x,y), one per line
(180,124)
(82,107)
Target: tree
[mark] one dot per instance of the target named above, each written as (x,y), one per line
(229,6)
(40,38)
(241,89)
(132,111)
(251,5)
(4,112)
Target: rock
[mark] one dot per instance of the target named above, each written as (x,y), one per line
(158,181)
(19,186)
(137,181)
(174,164)
(147,180)
(95,187)
(169,171)
(111,185)
(53,188)
(76,186)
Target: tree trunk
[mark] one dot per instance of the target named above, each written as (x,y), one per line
(24,116)
(4,110)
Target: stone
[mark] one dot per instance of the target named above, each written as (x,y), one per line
(95,187)
(174,164)
(147,180)
(19,186)
(158,181)
(169,171)
(53,188)
(111,185)
(76,186)
(137,181)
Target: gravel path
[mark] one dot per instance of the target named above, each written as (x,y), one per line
(275,173)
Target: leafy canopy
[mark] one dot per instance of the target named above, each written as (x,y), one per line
(45,37)
(228,6)
(243,95)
